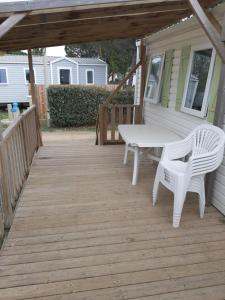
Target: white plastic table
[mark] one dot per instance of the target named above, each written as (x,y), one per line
(138,137)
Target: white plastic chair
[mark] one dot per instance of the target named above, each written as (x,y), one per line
(203,150)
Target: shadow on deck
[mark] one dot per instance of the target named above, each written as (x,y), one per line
(82,231)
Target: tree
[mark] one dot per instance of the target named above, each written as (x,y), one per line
(39,51)
(82,50)
(120,55)
(17,52)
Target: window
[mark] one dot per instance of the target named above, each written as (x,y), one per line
(199,75)
(89,76)
(3,76)
(65,76)
(27,76)
(153,84)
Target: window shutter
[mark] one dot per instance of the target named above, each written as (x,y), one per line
(214,89)
(184,60)
(167,73)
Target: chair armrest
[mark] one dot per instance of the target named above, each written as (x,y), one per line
(177,150)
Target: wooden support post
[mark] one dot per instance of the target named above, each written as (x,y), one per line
(33,94)
(218,121)
(143,79)
(210,25)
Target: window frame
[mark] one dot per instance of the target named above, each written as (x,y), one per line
(7,78)
(93,75)
(24,72)
(155,100)
(203,112)
(64,68)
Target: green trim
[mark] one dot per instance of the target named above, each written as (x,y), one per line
(184,61)
(167,73)
(214,88)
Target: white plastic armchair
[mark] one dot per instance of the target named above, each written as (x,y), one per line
(184,164)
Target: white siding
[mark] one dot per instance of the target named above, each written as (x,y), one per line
(64,64)
(17,90)
(188,33)
(99,73)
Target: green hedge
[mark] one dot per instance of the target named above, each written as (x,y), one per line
(73,106)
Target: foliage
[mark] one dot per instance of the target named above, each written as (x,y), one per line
(17,52)
(120,55)
(73,106)
(39,51)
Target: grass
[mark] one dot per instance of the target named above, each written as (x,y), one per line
(45,128)
(3,115)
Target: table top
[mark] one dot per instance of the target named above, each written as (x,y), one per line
(147,136)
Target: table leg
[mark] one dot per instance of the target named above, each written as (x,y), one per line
(136,166)
(125,154)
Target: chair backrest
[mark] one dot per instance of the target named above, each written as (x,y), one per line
(208,149)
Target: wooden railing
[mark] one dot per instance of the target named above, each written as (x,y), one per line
(17,147)
(110,116)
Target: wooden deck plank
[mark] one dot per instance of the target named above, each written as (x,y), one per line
(82,231)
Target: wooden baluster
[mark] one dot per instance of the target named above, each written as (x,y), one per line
(137,111)
(120,119)
(113,122)
(101,124)
(5,186)
(128,119)
(105,124)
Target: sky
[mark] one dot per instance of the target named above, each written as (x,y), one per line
(56,51)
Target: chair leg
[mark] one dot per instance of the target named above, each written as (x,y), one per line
(156,187)
(136,166)
(125,155)
(202,199)
(179,198)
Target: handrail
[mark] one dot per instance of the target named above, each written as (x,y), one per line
(110,116)
(18,144)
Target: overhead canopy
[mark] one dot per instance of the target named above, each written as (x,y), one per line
(45,23)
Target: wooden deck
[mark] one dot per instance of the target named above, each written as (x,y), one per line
(82,231)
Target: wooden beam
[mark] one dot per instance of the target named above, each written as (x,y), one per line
(134,10)
(60,4)
(34,96)
(86,31)
(92,24)
(144,68)
(132,71)
(209,27)
(223,30)
(9,23)
(32,78)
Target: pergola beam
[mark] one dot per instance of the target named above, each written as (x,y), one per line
(60,4)
(10,22)
(101,13)
(86,31)
(209,27)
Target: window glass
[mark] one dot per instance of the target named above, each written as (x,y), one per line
(64,76)
(3,76)
(154,78)
(197,80)
(90,77)
(27,76)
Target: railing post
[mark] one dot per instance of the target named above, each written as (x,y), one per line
(25,143)
(101,124)
(6,202)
